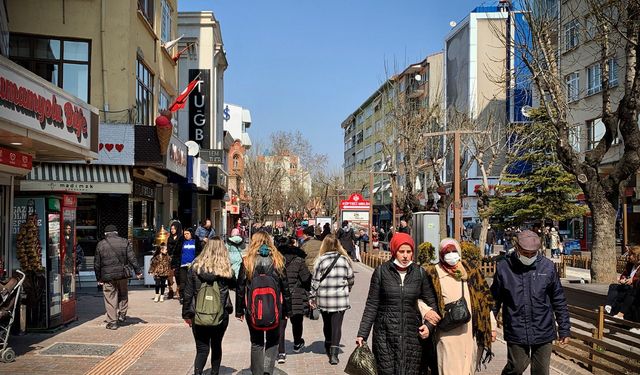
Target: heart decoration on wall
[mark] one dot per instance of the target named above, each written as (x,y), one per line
(119,147)
(110,146)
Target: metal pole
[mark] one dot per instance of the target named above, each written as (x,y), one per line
(457,206)
(624,223)
(393,191)
(371,202)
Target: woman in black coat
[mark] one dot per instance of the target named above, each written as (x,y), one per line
(299,279)
(392,311)
(175,232)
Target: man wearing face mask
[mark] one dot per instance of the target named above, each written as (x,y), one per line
(527,288)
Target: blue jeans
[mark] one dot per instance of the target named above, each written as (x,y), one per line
(488,249)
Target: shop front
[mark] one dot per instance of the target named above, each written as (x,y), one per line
(40,124)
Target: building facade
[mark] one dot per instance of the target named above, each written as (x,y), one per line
(370,128)
(203,120)
(115,55)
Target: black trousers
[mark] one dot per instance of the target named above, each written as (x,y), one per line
(161,283)
(620,298)
(332,327)
(296,326)
(264,349)
(519,357)
(209,339)
(183,275)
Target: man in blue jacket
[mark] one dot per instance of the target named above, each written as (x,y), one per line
(527,288)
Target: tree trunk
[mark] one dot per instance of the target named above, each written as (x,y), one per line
(603,247)
(483,235)
(443,209)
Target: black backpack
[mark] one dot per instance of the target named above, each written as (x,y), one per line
(264,302)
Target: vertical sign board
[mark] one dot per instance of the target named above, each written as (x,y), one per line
(199,108)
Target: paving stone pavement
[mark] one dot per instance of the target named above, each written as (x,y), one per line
(174,350)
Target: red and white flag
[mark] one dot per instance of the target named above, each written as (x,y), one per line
(181,100)
(168,45)
(177,55)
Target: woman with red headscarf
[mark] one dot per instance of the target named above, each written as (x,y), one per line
(460,346)
(392,311)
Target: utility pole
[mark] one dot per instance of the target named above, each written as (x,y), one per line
(457,176)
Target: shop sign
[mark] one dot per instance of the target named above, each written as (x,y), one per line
(217,177)
(199,108)
(117,144)
(199,173)
(355,202)
(233,209)
(28,103)
(15,159)
(143,189)
(176,159)
(212,156)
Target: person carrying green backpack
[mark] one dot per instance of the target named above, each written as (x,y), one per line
(207,305)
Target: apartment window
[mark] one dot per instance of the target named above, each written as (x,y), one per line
(368,112)
(164,99)
(597,130)
(63,62)
(167,12)
(591,28)
(146,8)
(594,76)
(360,156)
(594,79)
(359,138)
(379,125)
(144,94)
(360,118)
(574,138)
(236,161)
(348,144)
(571,34)
(368,152)
(368,132)
(378,147)
(573,86)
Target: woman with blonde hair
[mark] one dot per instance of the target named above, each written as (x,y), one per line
(330,287)
(209,269)
(263,298)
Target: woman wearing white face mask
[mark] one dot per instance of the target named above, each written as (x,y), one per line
(460,345)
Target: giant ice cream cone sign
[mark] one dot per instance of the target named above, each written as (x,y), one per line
(164,129)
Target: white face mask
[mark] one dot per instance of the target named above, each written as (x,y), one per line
(399,264)
(527,261)
(452,258)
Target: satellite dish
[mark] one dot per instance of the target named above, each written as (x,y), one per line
(526,111)
(193,148)
(453,23)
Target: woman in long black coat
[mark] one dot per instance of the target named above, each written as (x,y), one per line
(299,279)
(392,311)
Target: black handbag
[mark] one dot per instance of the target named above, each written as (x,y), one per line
(361,362)
(455,313)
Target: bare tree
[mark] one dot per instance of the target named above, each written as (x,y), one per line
(263,183)
(616,28)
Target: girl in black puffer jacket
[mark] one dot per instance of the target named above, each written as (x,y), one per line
(211,266)
(299,279)
(392,311)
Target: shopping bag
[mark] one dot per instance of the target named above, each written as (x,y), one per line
(357,250)
(361,362)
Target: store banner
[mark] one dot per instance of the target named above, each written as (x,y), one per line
(198,173)
(43,108)
(176,158)
(15,159)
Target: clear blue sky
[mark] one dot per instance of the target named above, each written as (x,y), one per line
(308,64)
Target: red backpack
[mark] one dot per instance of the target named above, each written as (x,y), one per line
(264,302)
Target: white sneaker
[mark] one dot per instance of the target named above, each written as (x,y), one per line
(157,298)
(162,298)
(607,309)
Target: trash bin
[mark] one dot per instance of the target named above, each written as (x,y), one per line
(148,279)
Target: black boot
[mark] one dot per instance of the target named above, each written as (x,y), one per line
(327,346)
(333,356)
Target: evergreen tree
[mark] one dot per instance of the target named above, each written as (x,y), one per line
(535,187)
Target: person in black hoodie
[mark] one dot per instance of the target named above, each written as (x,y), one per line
(186,250)
(175,232)
(299,279)
(326,230)
(211,266)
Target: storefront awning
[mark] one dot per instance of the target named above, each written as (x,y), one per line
(78,178)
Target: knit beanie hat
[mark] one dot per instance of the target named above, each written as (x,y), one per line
(398,240)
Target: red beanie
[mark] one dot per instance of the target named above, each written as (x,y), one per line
(398,240)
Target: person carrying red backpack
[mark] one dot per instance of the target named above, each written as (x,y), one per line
(263,299)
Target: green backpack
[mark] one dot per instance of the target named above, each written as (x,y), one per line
(209,309)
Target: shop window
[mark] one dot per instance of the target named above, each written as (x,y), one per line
(61,61)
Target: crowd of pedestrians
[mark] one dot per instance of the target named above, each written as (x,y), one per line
(437,318)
